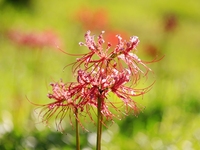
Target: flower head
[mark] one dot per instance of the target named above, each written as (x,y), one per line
(100,72)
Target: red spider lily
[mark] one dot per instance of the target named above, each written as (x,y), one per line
(118,57)
(63,104)
(99,72)
(37,40)
(94,20)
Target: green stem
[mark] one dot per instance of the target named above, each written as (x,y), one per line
(77,132)
(99,124)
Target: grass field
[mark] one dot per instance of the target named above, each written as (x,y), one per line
(171,118)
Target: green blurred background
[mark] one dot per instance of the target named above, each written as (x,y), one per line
(29,61)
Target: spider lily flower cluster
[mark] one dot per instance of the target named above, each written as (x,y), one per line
(101,71)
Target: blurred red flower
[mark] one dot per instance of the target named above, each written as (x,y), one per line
(33,39)
(170,22)
(92,19)
(151,50)
(111,36)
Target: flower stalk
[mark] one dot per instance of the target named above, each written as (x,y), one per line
(99,125)
(77,132)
